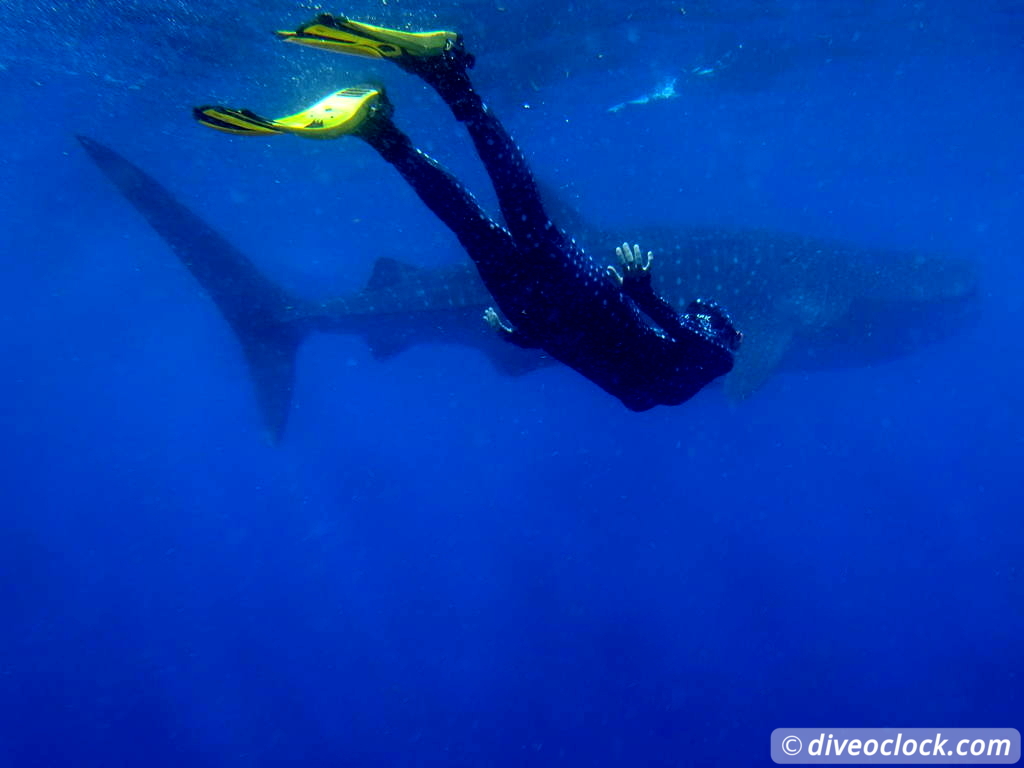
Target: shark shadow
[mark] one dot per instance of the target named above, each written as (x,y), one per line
(801,303)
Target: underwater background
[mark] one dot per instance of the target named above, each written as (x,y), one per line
(442,565)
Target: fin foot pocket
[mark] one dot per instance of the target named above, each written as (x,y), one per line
(342,35)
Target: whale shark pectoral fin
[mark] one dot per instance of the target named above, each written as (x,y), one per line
(511,360)
(388,340)
(759,356)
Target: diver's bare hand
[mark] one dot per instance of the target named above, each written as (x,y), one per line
(507,332)
(636,268)
(494,320)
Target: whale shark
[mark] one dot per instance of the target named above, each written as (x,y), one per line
(801,303)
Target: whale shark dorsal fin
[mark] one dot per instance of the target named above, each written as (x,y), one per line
(565,214)
(388,272)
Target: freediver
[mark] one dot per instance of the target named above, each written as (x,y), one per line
(609,326)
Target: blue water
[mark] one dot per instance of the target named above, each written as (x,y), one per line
(443,566)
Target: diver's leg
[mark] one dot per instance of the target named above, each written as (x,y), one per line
(440,59)
(486,241)
(514,183)
(366,113)
(488,244)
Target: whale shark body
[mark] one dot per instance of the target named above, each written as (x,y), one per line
(800,302)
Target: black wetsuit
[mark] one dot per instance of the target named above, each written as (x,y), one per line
(625,338)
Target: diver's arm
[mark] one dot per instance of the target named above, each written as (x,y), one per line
(635,283)
(507,332)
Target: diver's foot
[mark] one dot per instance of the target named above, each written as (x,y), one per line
(416,52)
(351,111)
(714,324)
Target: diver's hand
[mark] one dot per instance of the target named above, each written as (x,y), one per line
(636,269)
(506,331)
(492,319)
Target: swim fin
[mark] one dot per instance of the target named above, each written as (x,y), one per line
(341,35)
(342,113)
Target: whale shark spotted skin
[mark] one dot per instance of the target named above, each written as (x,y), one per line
(801,303)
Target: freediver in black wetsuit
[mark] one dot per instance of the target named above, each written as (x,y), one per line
(611,327)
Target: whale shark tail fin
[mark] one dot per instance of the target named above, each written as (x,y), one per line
(269,323)
(271,360)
